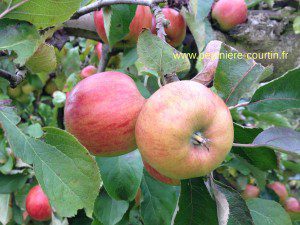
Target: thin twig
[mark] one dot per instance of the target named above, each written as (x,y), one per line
(12,8)
(239,105)
(14,79)
(97,5)
(104,58)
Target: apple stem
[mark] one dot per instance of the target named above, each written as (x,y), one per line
(198,139)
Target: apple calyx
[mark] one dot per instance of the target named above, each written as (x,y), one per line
(199,139)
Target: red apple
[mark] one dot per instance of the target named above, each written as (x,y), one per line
(88,71)
(229,13)
(98,49)
(142,19)
(176,30)
(250,191)
(37,205)
(158,176)
(184,130)
(280,190)
(292,205)
(101,112)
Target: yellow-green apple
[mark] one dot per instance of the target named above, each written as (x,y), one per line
(88,71)
(280,190)
(98,50)
(14,92)
(142,19)
(51,87)
(229,13)
(158,176)
(101,112)
(184,130)
(250,191)
(37,204)
(176,30)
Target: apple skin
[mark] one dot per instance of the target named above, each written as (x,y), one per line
(142,19)
(176,30)
(37,205)
(229,13)
(168,121)
(98,50)
(250,191)
(292,205)
(158,176)
(88,71)
(280,190)
(101,112)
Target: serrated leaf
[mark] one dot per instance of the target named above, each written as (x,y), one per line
(262,158)
(44,13)
(109,211)
(278,95)
(196,206)
(117,19)
(266,212)
(121,175)
(43,60)
(237,77)
(232,209)
(67,173)
(20,37)
(11,183)
(157,195)
(161,57)
(282,139)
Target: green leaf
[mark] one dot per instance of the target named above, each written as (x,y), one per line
(67,173)
(4,4)
(262,158)
(237,77)
(109,211)
(159,201)
(71,62)
(121,175)
(266,212)
(278,95)
(11,183)
(129,57)
(44,13)
(117,19)
(34,130)
(43,60)
(161,57)
(5,209)
(282,139)
(296,25)
(20,37)
(196,206)
(232,208)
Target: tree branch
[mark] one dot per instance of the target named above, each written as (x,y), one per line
(243,104)
(12,8)
(14,79)
(97,5)
(104,58)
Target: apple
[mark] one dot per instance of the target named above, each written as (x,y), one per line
(101,112)
(292,205)
(27,89)
(158,176)
(176,30)
(184,130)
(37,204)
(229,13)
(14,92)
(88,71)
(98,50)
(280,190)
(142,19)
(51,87)
(250,191)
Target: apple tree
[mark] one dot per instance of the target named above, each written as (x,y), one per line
(149,112)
